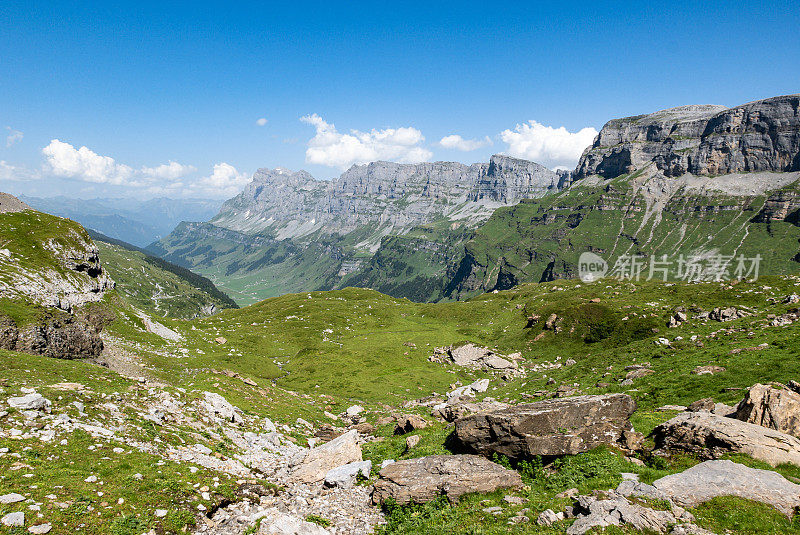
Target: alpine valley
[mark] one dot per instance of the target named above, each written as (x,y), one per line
(136,397)
(697,181)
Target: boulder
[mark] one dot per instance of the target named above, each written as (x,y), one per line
(217,406)
(345,476)
(481,385)
(30,402)
(426,478)
(710,436)
(707,370)
(409,423)
(14,497)
(710,479)
(548,517)
(767,406)
(565,426)
(474,356)
(592,512)
(13,520)
(318,461)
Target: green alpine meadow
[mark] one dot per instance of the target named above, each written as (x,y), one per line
(418,269)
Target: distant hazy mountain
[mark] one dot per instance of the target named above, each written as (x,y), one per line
(134,221)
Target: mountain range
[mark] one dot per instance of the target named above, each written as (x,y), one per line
(289,232)
(697,181)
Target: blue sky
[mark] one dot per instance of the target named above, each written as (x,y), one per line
(144,84)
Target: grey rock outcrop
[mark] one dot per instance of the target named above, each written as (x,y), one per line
(315,464)
(710,479)
(700,140)
(618,511)
(275,522)
(58,336)
(426,478)
(565,426)
(767,406)
(9,203)
(66,272)
(710,436)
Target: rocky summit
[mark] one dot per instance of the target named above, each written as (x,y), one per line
(392,226)
(700,140)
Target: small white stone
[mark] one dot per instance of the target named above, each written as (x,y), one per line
(16,519)
(90,479)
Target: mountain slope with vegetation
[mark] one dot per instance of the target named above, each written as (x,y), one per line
(695,182)
(288,232)
(157,286)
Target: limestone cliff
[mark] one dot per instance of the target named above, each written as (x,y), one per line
(700,140)
(389,196)
(49,260)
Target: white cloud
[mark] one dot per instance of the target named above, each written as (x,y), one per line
(454,141)
(262,122)
(169,171)
(17,173)
(66,161)
(13,136)
(331,148)
(546,145)
(225,181)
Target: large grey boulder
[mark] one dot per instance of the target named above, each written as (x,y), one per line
(318,461)
(426,478)
(477,357)
(710,436)
(565,426)
(767,406)
(456,408)
(30,402)
(710,479)
(345,476)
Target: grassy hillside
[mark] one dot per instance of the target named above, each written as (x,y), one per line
(308,354)
(155,285)
(311,355)
(542,239)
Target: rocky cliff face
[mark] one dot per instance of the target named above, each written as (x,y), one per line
(700,140)
(384,194)
(49,260)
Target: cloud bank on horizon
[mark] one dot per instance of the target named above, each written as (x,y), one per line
(83,164)
(552,147)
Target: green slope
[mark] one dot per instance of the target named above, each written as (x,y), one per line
(157,286)
(542,239)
